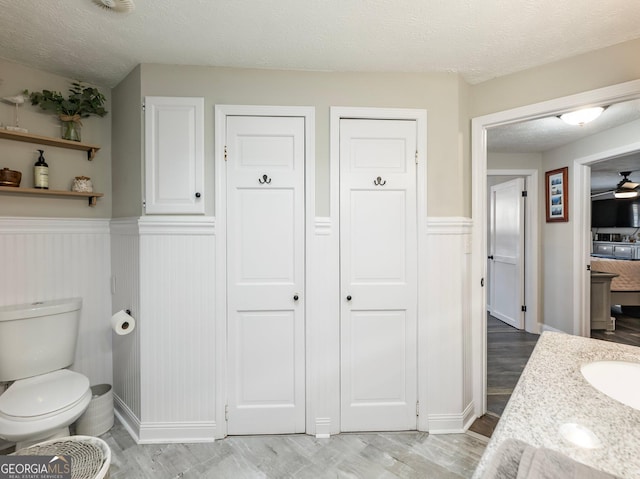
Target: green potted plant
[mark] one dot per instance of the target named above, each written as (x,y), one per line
(82,102)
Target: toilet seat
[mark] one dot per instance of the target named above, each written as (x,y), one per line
(39,396)
(36,407)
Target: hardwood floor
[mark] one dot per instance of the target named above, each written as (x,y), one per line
(369,455)
(627,329)
(508,350)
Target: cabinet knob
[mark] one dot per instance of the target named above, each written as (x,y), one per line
(295,297)
(198,195)
(349,298)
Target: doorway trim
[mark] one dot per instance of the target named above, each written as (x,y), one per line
(221,112)
(581,177)
(479,126)
(420,116)
(531,241)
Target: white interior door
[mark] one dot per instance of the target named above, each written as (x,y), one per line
(265,268)
(506,252)
(378,257)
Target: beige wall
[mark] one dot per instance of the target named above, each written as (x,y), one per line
(439,94)
(449,101)
(64,164)
(127,120)
(601,68)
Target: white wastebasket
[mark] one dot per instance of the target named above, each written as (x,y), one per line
(98,418)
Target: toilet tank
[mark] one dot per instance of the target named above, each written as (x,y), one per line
(38,338)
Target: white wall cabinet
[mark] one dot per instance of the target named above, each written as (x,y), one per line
(174,155)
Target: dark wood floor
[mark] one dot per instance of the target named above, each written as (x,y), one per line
(627,329)
(508,350)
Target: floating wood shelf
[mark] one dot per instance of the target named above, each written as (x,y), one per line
(45,140)
(92,197)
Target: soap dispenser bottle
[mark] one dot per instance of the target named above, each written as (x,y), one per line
(41,173)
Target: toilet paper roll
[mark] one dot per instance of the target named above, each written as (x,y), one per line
(122,323)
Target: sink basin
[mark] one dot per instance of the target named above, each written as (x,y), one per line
(620,380)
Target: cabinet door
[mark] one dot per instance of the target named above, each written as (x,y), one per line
(174,155)
(604,249)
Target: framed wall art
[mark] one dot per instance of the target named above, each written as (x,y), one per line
(557,195)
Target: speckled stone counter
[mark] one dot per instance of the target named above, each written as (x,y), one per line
(552,392)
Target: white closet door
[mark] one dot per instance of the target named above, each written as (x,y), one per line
(378,251)
(507,252)
(265,267)
(174,155)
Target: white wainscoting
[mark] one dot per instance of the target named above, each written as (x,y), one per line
(174,399)
(125,264)
(447,326)
(323,331)
(55,258)
(177,329)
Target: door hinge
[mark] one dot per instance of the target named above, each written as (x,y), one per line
(416,157)
(226,412)
(588,267)
(225,153)
(417,408)
(144,107)
(524,194)
(523,308)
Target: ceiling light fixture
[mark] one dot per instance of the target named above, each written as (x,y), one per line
(119,6)
(582,117)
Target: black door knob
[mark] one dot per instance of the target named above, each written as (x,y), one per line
(349,298)
(490,256)
(198,195)
(295,297)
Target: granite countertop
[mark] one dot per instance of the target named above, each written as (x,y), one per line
(552,392)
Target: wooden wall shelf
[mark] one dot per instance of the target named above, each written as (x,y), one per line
(45,140)
(92,197)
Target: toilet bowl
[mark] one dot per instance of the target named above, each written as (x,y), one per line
(36,408)
(37,344)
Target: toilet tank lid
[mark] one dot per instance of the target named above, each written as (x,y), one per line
(39,308)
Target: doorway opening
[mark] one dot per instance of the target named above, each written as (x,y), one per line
(579,194)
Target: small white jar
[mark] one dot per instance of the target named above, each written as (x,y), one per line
(82,184)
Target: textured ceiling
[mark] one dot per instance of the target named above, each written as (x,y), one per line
(548,133)
(478,39)
(544,134)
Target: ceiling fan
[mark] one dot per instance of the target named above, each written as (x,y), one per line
(624,189)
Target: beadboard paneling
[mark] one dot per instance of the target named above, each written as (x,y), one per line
(177,325)
(126,349)
(55,258)
(323,330)
(448,342)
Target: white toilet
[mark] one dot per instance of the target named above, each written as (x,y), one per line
(37,341)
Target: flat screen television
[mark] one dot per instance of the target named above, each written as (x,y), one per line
(612,213)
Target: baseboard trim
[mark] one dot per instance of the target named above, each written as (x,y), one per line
(545,327)
(177,432)
(128,419)
(451,423)
(323,428)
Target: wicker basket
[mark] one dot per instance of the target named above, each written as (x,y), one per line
(90,456)
(10,177)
